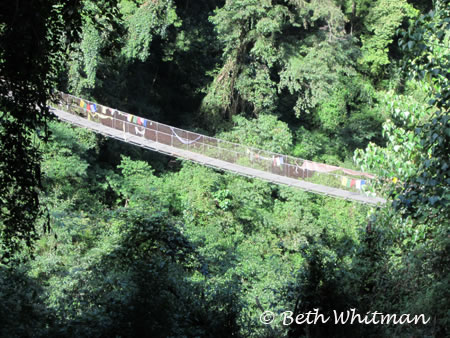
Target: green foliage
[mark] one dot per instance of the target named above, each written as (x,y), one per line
(426,195)
(398,159)
(256,87)
(182,250)
(315,70)
(67,167)
(243,27)
(206,253)
(332,113)
(89,54)
(135,182)
(323,286)
(85,56)
(33,38)
(265,132)
(417,240)
(143,23)
(426,45)
(268,33)
(313,145)
(381,23)
(22,311)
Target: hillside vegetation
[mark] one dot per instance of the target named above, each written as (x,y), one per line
(100,238)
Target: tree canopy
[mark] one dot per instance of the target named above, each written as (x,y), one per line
(102,238)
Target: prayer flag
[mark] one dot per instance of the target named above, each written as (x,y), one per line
(88,107)
(144,122)
(82,104)
(129,117)
(139,121)
(139,132)
(349,182)
(363,182)
(352,183)
(358,184)
(344,181)
(93,107)
(134,119)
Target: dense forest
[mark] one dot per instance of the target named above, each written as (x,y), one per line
(100,238)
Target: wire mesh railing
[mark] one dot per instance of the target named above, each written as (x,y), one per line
(247,156)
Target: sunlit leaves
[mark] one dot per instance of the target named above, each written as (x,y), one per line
(382,21)
(265,132)
(427,43)
(135,185)
(33,38)
(427,194)
(400,157)
(313,71)
(150,19)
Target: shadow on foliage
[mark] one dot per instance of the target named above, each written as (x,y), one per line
(140,288)
(22,312)
(330,285)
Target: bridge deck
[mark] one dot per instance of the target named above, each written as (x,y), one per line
(214,163)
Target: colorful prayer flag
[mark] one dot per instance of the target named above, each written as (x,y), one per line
(134,119)
(358,184)
(93,107)
(129,117)
(82,104)
(352,183)
(344,181)
(144,122)
(349,182)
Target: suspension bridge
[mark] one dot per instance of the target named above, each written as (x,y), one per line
(216,153)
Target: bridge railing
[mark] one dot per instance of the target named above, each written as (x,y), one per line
(248,156)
